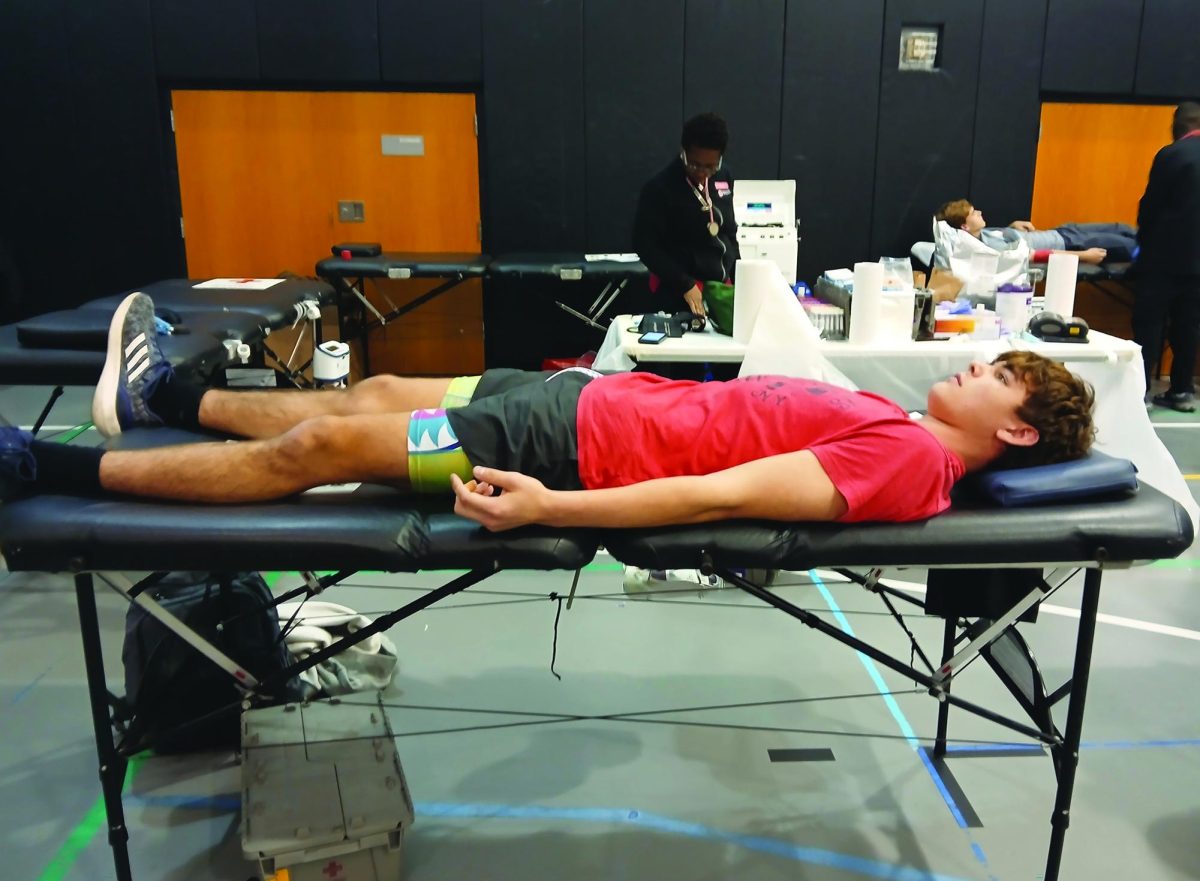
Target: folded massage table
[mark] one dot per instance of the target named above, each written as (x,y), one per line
(348,274)
(968,550)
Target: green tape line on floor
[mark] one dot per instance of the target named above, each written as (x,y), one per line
(95,819)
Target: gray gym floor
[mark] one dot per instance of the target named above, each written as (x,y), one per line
(651,758)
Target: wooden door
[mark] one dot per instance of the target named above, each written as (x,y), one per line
(1092,164)
(1093,160)
(261,175)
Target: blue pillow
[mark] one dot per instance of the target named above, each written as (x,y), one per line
(1094,475)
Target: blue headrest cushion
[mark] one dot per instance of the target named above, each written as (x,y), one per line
(1096,474)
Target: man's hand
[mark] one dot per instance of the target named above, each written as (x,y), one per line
(695,300)
(1092,255)
(523,501)
(1023,226)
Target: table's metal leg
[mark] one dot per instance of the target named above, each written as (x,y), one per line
(112,765)
(341,302)
(600,296)
(41,420)
(943,720)
(584,318)
(1067,753)
(597,314)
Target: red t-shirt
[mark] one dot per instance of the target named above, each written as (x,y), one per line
(638,426)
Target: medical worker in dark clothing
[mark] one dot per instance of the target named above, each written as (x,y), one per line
(1169,262)
(684,229)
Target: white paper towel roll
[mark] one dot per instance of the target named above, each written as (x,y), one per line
(866,305)
(1060,284)
(753,281)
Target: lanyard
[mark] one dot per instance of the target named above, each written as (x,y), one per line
(706,202)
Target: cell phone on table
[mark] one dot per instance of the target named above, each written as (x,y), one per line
(652,337)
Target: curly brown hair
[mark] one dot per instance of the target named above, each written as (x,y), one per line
(1058,404)
(955,213)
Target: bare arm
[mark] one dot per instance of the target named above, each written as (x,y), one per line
(1095,256)
(788,487)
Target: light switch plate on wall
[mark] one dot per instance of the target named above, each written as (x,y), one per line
(350,212)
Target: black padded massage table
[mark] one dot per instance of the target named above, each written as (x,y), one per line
(1110,279)
(376,529)
(614,275)
(349,273)
(274,306)
(67,347)
(280,306)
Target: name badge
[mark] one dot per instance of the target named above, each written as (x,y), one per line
(722,188)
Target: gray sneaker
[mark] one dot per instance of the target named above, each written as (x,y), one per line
(1179,401)
(132,370)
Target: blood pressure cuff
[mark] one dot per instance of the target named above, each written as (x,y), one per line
(1094,475)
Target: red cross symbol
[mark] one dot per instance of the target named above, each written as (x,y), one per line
(334,868)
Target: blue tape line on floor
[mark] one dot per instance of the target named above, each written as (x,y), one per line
(195,802)
(627,816)
(894,708)
(24,692)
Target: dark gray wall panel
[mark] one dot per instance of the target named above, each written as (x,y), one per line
(633,87)
(532,128)
(1008,111)
(733,65)
(121,207)
(316,41)
(830,105)
(1091,46)
(926,121)
(532,142)
(1168,59)
(431,41)
(39,184)
(206,39)
(578,105)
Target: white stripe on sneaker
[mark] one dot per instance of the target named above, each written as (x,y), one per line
(142,354)
(139,370)
(137,341)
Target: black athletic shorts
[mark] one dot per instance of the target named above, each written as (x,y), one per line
(524,421)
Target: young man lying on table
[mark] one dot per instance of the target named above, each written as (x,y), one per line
(568,449)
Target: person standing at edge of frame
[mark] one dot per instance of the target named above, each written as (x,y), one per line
(1168,264)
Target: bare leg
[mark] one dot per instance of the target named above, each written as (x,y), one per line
(270,413)
(325,449)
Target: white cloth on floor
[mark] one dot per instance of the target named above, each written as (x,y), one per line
(367,666)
